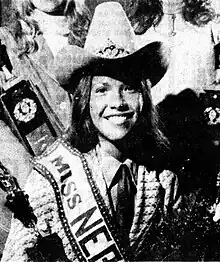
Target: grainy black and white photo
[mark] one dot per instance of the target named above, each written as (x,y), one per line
(109,130)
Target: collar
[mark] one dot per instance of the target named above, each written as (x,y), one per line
(110,165)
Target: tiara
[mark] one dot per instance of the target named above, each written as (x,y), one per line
(111,50)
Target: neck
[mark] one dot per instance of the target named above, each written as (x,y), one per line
(173,7)
(51,24)
(172,20)
(110,149)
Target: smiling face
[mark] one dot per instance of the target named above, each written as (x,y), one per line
(114,107)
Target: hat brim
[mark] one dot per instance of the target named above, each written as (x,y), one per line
(149,62)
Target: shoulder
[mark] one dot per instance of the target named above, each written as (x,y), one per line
(60,147)
(38,186)
(56,160)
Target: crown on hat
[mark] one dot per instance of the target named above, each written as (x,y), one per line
(111,50)
(110,34)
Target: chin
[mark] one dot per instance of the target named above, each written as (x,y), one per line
(114,133)
(115,137)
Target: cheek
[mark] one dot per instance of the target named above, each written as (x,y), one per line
(95,108)
(92,110)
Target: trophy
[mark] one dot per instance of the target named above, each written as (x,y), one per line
(23,110)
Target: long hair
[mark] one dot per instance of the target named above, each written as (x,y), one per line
(83,134)
(25,29)
(147,13)
(198,12)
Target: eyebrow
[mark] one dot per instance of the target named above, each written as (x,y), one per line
(106,84)
(102,83)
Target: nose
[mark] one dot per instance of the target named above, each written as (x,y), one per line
(116,100)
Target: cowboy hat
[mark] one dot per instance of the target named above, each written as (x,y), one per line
(110,51)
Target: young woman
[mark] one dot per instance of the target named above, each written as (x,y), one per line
(33,36)
(105,193)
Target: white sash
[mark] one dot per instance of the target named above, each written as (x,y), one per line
(81,208)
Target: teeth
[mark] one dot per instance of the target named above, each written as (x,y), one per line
(117,119)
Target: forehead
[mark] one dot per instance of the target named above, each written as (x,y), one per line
(106,81)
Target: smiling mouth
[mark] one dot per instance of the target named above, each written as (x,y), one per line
(119,119)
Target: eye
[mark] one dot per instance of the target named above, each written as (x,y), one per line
(130,88)
(100,89)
